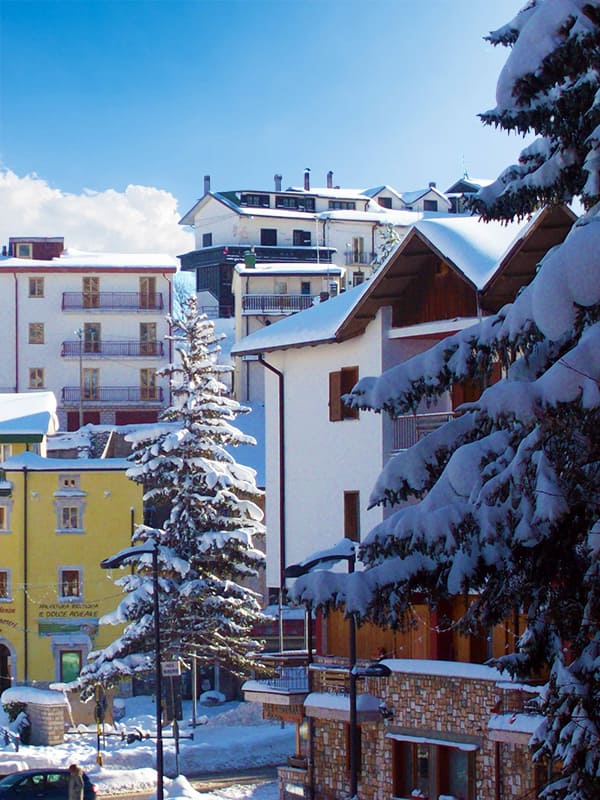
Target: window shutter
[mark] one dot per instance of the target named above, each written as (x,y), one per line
(335,396)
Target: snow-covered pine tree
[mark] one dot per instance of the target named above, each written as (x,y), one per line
(508,494)
(206,552)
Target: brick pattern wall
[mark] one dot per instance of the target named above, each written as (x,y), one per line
(431,705)
(47,724)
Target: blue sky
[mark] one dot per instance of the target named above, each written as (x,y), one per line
(100,94)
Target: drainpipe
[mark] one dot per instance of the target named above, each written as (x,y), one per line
(25,578)
(16,332)
(282,558)
(170,312)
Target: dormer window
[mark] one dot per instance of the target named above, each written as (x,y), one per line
(24,250)
(255,200)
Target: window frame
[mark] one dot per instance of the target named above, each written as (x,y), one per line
(148,384)
(352,515)
(37,377)
(63,571)
(36,333)
(28,252)
(7,572)
(36,287)
(341,383)
(207,239)
(5,510)
(268,234)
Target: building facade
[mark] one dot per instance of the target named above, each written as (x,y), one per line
(88,327)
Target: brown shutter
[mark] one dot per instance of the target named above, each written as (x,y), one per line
(335,396)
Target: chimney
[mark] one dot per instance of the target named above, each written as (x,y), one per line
(4,250)
(432,184)
(206,184)
(307,179)
(330,180)
(277,179)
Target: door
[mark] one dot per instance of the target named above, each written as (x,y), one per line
(147,384)
(91,384)
(358,249)
(147,292)
(4,668)
(91,292)
(91,337)
(148,338)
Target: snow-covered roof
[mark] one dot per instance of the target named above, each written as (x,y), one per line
(31,694)
(333,193)
(78,259)
(473,246)
(411,197)
(375,190)
(35,463)
(380,215)
(289,268)
(315,325)
(449,669)
(27,414)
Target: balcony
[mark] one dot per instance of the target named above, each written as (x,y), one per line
(288,685)
(275,303)
(112,395)
(112,301)
(128,349)
(234,254)
(358,257)
(408,430)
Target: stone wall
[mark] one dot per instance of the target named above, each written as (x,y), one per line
(445,707)
(47,723)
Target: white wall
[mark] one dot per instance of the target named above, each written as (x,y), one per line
(322,458)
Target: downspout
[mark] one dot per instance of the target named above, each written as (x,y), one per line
(25,579)
(170,340)
(282,558)
(16,332)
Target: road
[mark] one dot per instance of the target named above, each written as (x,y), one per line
(210,781)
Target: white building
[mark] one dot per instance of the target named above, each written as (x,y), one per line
(89,327)
(322,458)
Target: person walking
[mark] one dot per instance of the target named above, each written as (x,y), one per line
(75,784)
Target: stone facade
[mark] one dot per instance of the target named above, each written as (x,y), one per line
(47,723)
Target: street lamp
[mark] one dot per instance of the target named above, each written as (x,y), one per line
(79,333)
(124,557)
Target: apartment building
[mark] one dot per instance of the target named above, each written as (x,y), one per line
(89,327)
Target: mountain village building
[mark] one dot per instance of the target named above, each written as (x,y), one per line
(439,722)
(89,327)
(58,519)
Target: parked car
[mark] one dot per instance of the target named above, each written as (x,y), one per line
(38,784)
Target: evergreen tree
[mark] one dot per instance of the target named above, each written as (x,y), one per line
(205,549)
(505,499)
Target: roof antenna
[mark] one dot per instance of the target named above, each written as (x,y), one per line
(464,169)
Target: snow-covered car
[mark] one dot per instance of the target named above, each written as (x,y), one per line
(49,784)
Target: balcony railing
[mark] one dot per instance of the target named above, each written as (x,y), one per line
(408,430)
(358,257)
(129,349)
(275,303)
(288,679)
(113,394)
(234,254)
(112,301)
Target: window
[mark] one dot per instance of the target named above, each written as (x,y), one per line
(430,205)
(301,238)
(69,583)
(36,333)
(148,384)
(352,515)
(207,240)
(300,203)
(428,770)
(70,665)
(91,292)
(91,384)
(257,200)
(4,519)
(268,237)
(358,277)
(148,344)
(148,297)
(5,451)
(342,205)
(92,337)
(36,378)
(36,287)
(385,202)
(280,287)
(5,585)
(305,287)
(70,518)
(69,481)
(341,383)
(24,250)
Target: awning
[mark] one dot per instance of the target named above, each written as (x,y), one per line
(416,739)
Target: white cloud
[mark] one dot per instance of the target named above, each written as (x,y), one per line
(141,219)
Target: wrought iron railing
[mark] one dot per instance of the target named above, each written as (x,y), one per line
(275,303)
(113,394)
(112,301)
(234,254)
(129,349)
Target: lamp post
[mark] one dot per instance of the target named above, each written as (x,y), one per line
(79,333)
(123,557)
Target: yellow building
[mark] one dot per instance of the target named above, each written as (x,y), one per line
(58,519)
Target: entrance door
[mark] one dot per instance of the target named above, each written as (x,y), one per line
(148,292)
(148,339)
(91,292)
(4,668)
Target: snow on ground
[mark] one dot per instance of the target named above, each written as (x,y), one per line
(231,736)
